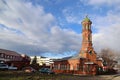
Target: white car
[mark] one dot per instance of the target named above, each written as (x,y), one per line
(3,66)
(12,68)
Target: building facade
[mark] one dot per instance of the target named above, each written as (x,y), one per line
(13,58)
(42,60)
(86,62)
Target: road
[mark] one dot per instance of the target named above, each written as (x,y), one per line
(110,77)
(116,77)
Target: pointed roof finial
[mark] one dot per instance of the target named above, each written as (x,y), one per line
(86,18)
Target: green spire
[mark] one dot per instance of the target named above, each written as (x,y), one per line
(86,19)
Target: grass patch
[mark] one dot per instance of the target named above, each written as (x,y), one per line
(19,75)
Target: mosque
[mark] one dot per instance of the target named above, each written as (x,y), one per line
(86,61)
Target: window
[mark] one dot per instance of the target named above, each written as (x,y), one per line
(81,68)
(68,67)
(89,27)
(55,67)
(5,56)
(86,27)
(90,51)
(63,67)
(1,55)
(78,67)
(83,28)
(88,68)
(8,56)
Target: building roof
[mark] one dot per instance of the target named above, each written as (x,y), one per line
(70,58)
(65,58)
(77,57)
(87,19)
(8,52)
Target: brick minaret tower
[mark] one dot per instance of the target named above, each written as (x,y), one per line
(87,50)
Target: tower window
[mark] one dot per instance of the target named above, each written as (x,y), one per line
(90,51)
(89,27)
(86,27)
(83,27)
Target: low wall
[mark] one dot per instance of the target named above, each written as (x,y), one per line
(76,72)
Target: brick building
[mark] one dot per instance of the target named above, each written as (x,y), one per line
(13,58)
(86,62)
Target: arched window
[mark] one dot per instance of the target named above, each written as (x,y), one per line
(83,27)
(86,27)
(89,27)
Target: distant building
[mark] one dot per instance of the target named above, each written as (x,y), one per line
(42,60)
(13,58)
(86,62)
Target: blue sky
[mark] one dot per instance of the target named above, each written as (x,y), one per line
(52,28)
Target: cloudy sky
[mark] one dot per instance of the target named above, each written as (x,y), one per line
(52,28)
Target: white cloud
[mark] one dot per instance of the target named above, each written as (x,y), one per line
(29,29)
(102,2)
(106,24)
(108,39)
(70,16)
(108,32)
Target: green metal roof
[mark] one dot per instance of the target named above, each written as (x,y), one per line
(86,19)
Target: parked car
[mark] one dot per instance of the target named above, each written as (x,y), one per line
(12,68)
(46,70)
(29,69)
(3,66)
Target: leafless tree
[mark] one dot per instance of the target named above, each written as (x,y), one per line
(108,56)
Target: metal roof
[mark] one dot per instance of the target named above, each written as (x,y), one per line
(70,58)
(8,52)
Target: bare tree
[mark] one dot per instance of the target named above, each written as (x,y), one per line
(109,57)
